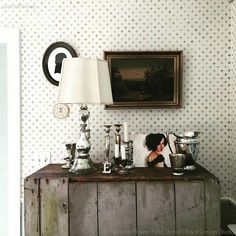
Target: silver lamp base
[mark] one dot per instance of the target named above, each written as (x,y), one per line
(82,166)
(82,163)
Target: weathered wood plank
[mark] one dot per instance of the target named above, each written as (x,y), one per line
(47,213)
(155,208)
(54,207)
(31,207)
(83,209)
(212,207)
(117,209)
(190,206)
(136,174)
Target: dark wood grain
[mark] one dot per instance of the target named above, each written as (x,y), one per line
(136,174)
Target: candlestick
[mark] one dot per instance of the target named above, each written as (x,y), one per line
(69,155)
(117,134)
(122,170)
(107,141)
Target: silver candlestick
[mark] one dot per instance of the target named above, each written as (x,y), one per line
(117,134)
(123,163)
(107,164)
(69,155)
(107,141)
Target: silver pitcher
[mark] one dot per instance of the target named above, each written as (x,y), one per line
(187,143)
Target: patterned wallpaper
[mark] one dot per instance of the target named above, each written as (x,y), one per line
(200,28)
(233,96)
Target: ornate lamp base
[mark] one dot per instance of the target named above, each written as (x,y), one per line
(82,163)
(82,166)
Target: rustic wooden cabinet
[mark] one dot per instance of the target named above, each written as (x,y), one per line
(146,201)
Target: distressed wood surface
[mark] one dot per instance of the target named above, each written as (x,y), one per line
(212,207)
(136,174)
(54,207)
(62,204)
(83,209)
(31,207)
(117,209)
(155,208)
(190,208)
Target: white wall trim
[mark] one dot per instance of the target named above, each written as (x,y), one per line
(10,37)
(228,199)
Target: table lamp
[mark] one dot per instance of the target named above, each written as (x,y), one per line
(84,81)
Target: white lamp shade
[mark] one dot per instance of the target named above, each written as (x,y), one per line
(85,81)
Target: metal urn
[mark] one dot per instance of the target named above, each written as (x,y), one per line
(188,144)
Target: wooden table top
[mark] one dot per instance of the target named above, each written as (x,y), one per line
(135,174)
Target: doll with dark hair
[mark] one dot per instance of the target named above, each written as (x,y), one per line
(155,143)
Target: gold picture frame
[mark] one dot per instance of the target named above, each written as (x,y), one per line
(145,79)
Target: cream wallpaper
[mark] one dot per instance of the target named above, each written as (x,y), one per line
(201,28)
(233,94)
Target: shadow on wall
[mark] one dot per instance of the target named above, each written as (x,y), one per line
(228,216)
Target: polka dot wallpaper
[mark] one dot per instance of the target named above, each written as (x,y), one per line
(233,94)
(201,28)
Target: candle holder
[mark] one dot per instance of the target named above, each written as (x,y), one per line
(123,162)
(129,154)
(70,155)
(117,162)
(116,158)
(107,141)
(117,134)
(122,167)
(107,164)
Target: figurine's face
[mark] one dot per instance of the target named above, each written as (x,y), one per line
(160,146)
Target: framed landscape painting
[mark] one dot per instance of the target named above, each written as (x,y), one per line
(150,79)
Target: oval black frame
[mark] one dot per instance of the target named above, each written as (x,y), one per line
(47,54)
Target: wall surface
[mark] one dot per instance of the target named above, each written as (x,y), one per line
(200,28)
(233,96)
(3,139)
